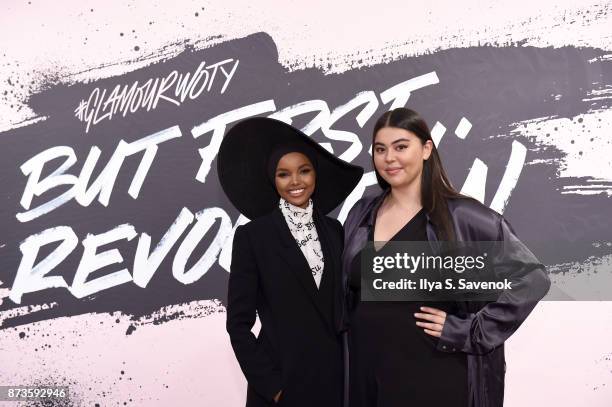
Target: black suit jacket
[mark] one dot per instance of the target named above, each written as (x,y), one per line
(298,348)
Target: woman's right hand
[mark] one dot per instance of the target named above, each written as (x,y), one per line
(277,397)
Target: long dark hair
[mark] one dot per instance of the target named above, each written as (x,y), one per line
(436,188)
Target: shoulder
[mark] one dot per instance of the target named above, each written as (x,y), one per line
(475,219)
(257,226)
(360,210)
(365,202)
(363,206)
(466,204)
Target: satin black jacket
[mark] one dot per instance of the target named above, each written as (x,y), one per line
(481,328)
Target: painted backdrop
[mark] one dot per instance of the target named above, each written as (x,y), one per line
(116,237)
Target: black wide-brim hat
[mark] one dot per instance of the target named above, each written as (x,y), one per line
(243,160)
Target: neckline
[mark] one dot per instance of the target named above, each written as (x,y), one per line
(373,229)
(285,205)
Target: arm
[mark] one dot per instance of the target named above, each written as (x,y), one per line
(483,331)
(257,366)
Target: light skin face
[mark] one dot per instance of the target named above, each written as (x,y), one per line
(295,179)
(398,158)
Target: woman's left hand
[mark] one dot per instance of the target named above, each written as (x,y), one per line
(435,317)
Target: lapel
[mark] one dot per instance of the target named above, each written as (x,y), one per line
(332,252)
(293,256)
(361,232)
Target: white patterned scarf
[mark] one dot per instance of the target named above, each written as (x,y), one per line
(304,232)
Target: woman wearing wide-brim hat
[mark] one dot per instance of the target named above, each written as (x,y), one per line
(286,262)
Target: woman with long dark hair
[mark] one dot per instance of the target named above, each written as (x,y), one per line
(434,353)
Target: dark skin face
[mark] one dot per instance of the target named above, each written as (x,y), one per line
(295,179)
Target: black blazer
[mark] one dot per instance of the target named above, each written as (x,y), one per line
(298,348)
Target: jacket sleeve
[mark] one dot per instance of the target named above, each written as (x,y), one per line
(483,331)
(259,369)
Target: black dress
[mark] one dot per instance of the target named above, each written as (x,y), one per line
(393,362)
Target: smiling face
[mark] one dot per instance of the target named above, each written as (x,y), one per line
(398,156)
(295,179)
